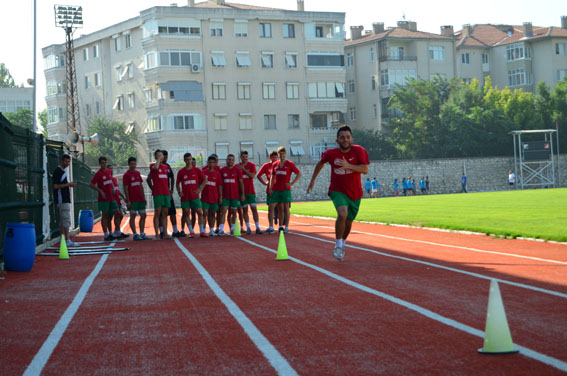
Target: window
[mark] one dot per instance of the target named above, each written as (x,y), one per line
(269,90)
(191,29)
(372,54)
(217,59)
(560,49)
(265,30)
(219,91)
(221,149)
(375,111)
(88,109)
(293,121)
(87,82)
(118,72)
(436,52)
(296,148)
(95,51)
(325,60)
(54,61)
(182,122)
(245,121)
(373,82)
(149,94)
(326,90)
(392,77)
(269,121)
(153,124)
(350,59)
(216,29)
(518,77)
(351,87)
(117,46)
(290,60)
(271,145)
(352,113)
(96,80)
(318,31)
(179,58)
(397,53)
(54,88)
(292,90)
(288,30)
(128,40)
(561,74)
(130,69)
(249,147)
(465,58)
(267,59)
(98,108)
(118,103)
(131,100)
(240,28)
(243,91)
(86,54)
(56,115)
(243,59)
(517,51)
(150,60)
(221,122)
(319,121)
(485,58)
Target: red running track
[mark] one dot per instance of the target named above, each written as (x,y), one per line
(150,310)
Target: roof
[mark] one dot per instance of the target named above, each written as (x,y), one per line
(210,4)
(396,32)
(487,35)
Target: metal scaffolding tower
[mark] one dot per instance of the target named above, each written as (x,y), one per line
(534,161)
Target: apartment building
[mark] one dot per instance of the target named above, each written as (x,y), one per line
(211,77)
(14,98)
(381,59)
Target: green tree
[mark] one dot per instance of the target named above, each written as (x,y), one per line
(22,118)
(42,118)
(559,105)
(115,143)
(6,79)
(376,144)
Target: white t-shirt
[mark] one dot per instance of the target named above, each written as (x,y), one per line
(511,178)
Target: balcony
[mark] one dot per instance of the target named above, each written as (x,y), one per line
(397,58)
(327,104)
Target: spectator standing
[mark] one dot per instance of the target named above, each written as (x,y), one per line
(62,196)
(464,183)
(396,186)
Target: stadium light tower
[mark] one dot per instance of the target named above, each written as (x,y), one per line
(70,17)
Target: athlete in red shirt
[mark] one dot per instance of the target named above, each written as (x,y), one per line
(232,190)
(248,174)
(102,183)
(135,198)
(190,184)
(266,170)
(347,162)
(158,181)
(118,216)
(211,197)
(280,186)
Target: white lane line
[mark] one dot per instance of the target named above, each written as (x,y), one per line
(40,359)
(546,359)
(441,245)
(273,356)
(528,287)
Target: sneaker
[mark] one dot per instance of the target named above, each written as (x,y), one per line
(221,233)
(145,237)
(269,230)
(338,253)
(71,244)
(176,234)
(286,230)
(259,232)
(182,234)
(231,233)
(137,237)
(211,234)
(203,235)
(161,235)
(107,238)
(123,235)
(280,229)
(191,235)
(342,253)
(217,231)
(248,232)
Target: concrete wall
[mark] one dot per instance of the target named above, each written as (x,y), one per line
(483,174)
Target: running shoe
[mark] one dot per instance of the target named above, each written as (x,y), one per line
(72,244)
(212,234)
(217,231)
(191,235)
(286,230)
(161,235)
(182,234)
(123,235)
(137,237)
(338,253)
(221,233)
(204,235)
(269,230)
(107,238)
(145,237)
(280,229)
(259,232)
(248,232)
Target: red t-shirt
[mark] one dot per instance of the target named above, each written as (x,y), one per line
(282,175)
(103,179)
(230,183)
(160,180)
(116,190)
(133,183)
(249,182)
(210,193)
(345,180)
(266,169)
(205,168)
(190,180)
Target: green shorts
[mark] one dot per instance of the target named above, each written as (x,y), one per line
(107,206)
(279,197)
(268,199)
(249,199)
(138,206)
(207,206)
(232,203)
(193,204)
(340,199)
(163,201)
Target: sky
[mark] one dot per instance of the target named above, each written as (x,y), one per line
(16,28)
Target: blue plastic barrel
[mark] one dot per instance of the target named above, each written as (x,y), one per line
(86,221)
(19,246)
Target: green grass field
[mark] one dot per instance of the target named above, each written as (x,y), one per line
(538,213)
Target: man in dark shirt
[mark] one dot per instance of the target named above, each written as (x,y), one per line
(62,196)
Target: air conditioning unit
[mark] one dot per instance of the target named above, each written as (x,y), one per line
(195,68)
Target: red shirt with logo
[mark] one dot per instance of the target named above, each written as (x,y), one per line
(132,182)
(248,181)
(210,193)
(345,180)
(266,169)
(103,180)
(160,180)
(230,183)
(282,175)
(190,181)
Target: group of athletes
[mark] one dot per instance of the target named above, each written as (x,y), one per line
(214,195)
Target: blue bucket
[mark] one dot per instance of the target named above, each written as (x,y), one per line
(19,246)
(86,221)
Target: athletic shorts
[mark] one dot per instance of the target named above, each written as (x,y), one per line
(193,204)
(231,203)
(268,199)
(340,199)
(162,201)
(138,206)
(171,210)
(107,206)
(213,207)
(249,200)
(281,197)
(64,214)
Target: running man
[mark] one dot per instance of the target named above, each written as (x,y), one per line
(102,183)
(135,198)
(347,162)
(193,182)
(158,182)
(233,192)
(280,187)
(266,170)
(248,175)
(211,196)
